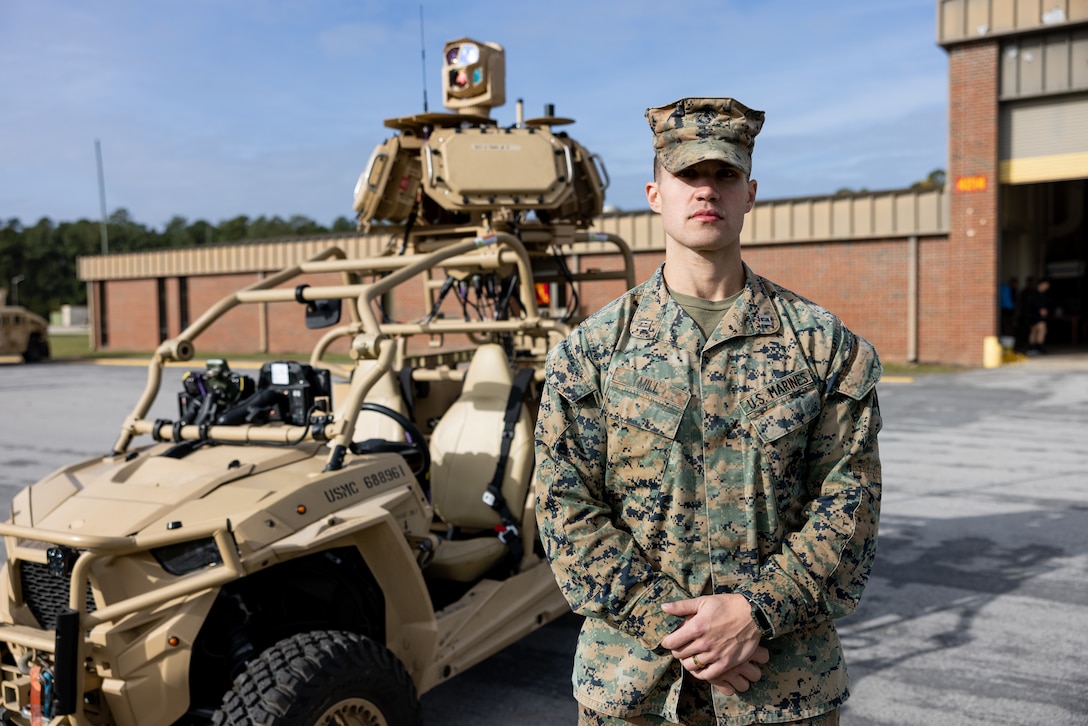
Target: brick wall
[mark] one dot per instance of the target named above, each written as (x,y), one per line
(592,297)
(132,314)
(864,283)
(173,306)
(959,279)
(238,330)
(286,326)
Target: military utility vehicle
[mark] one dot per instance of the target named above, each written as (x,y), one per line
(323,540)
(22,332)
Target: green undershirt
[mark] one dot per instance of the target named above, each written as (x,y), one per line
(706,313)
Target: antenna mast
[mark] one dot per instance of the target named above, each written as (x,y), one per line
(423,54)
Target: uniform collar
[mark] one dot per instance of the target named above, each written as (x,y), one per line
(660,317)
(754,313)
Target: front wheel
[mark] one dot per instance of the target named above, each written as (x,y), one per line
(323,677)
(37,349)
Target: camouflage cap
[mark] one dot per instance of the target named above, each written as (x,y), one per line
(696,129)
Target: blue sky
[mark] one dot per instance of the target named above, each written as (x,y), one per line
(210,109)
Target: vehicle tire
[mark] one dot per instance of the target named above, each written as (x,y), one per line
(36,350)
(322,677)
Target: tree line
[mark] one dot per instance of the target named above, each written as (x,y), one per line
(38,263)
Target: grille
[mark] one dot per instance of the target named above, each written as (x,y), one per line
(45,594)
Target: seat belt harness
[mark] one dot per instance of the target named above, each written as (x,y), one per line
(508,530)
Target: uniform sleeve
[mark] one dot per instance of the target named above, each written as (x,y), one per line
(821,569)
(599,567)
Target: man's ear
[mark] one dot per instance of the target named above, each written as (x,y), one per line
(752,184)
(653,197)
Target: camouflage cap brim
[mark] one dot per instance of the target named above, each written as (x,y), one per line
(692,130)
(679,156)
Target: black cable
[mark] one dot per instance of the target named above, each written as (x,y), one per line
(506,293)
(447,285)
(409,223)
(462,297)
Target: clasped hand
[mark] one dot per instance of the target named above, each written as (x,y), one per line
(718,642)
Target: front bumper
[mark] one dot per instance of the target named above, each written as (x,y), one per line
(63,653)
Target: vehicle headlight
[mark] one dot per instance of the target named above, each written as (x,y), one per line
(186,557)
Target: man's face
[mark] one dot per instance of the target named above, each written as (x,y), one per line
(703,206)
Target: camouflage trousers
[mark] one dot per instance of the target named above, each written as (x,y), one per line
(695,709)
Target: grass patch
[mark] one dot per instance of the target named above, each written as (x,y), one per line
(77,346)
(69,345)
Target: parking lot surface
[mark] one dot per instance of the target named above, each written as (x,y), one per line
(977,609)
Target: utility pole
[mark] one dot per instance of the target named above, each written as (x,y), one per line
(102,197)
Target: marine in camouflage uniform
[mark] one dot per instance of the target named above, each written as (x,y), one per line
(675,463)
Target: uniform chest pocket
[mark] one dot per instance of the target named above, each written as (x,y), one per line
(778,417)
(645,413)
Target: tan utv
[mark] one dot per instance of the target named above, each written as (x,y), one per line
(326,539)
(22,333)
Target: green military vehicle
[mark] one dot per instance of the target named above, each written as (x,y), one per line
(325,540)
(22,333)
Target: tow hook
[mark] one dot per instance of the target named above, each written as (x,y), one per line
(41,695)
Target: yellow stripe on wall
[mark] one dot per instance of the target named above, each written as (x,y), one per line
(1044,168)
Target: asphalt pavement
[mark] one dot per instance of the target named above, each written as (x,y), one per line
(977,608)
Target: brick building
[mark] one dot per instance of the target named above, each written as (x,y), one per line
(1018,157)
(916,272)
(860,255)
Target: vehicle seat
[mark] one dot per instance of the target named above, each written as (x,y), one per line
(465,448)
(371,425)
